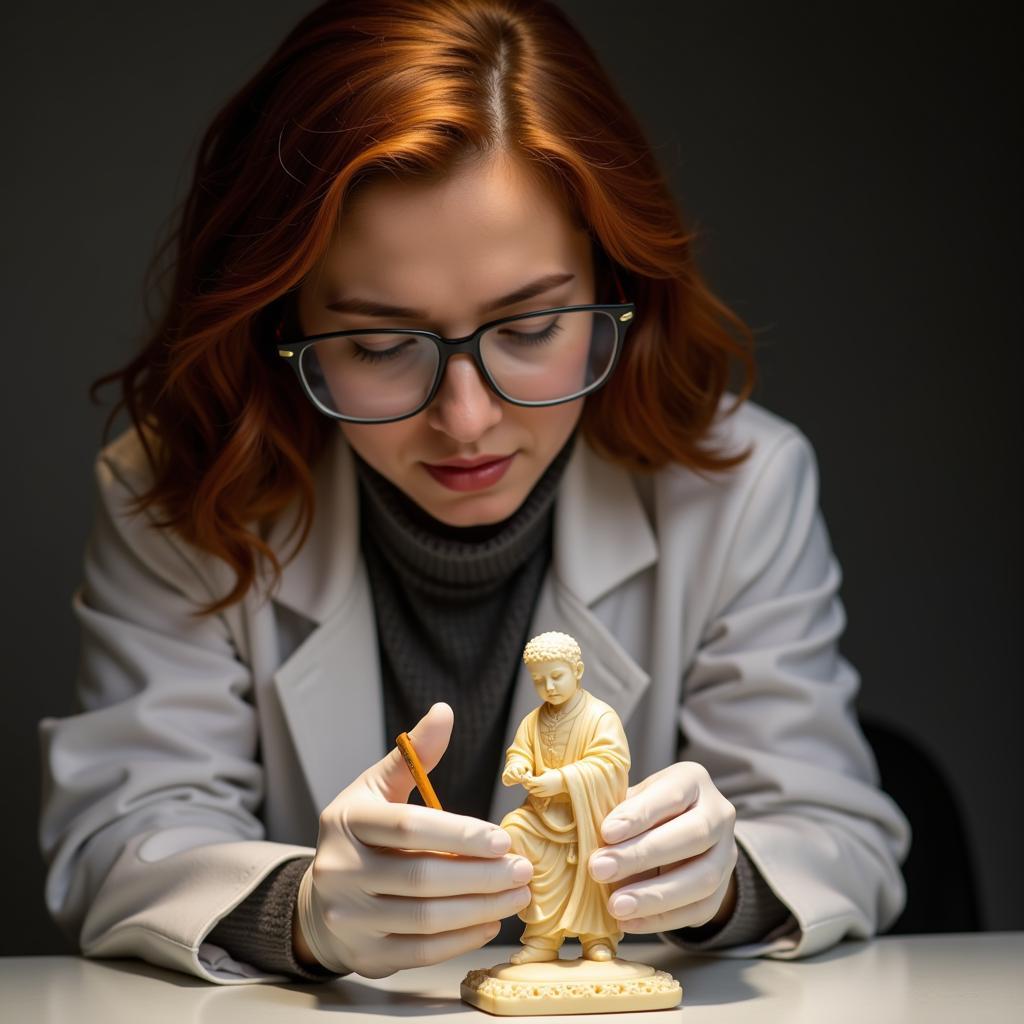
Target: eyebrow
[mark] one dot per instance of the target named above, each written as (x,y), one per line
(366,307)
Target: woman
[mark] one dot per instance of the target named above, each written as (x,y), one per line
(327,523)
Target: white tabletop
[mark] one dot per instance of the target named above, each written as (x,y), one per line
(978,978)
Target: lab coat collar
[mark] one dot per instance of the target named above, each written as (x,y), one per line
(602,535)
(320,577)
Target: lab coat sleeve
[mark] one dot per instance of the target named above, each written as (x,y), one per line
(769,710)
(150,793)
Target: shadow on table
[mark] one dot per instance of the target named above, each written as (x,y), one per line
(110,988)
(356,995)
(142,969)
(717,981)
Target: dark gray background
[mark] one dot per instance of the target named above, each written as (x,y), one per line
(851,172)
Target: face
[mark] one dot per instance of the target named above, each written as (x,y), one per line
(556,681)
(447,251)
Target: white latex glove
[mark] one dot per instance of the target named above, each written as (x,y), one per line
(671,845)
(385,892)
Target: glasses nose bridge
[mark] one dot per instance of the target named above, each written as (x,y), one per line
(469,344)
(463,344)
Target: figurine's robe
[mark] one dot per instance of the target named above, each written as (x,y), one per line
(558,834)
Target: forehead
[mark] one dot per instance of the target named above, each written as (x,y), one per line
(542,668)
(485,230)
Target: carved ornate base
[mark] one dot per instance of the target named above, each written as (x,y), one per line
(570,986)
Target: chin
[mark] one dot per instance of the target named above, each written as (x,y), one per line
(475,510)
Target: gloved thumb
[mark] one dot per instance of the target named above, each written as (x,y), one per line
(390,777)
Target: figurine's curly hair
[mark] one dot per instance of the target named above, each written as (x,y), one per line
(552,646)
(368,89)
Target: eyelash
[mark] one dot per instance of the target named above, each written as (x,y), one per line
(367,355)
(381,355)
(541,336)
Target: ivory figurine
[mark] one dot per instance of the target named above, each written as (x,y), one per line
(571,756)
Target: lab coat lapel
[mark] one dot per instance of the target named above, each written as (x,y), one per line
(602,537)
(320,577)
(329,687)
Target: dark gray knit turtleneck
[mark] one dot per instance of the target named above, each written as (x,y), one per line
(452,607)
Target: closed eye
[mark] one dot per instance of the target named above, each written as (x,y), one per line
(380,355)
(537,338)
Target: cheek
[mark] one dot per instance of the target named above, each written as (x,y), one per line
(563,419)
(379,444)
(549,426)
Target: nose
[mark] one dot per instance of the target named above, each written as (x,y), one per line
(464,407)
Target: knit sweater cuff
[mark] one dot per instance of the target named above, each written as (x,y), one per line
(259,930)
(758,912)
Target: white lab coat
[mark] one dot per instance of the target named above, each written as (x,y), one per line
(707,612)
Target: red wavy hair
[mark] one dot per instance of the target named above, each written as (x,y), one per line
(361,89)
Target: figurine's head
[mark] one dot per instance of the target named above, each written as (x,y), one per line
(556,664)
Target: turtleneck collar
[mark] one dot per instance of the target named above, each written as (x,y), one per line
(425,551)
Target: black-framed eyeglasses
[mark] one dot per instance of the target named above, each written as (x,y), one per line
(384,374)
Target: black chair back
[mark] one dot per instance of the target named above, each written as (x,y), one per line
(939,871)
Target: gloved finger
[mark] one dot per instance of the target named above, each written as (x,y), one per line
(680,838)
(682,885)
(411,827)
(668,793)
(690,915)
(421,950)
(390,778)
(639,787)
(405,915)
(397,873)
(642,876)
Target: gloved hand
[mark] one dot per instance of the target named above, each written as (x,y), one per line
(672,848)
(397,885)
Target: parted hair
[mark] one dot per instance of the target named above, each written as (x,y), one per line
(364,89)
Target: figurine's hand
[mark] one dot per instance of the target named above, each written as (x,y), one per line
(397,885)
(549,783)
(516,773)
(671,850)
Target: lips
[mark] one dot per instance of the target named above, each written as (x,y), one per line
(480,460)
(470,474)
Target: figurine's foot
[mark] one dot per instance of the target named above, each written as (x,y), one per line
(533,955)
(598,951)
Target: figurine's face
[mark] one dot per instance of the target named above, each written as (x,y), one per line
(556,681)
(449,250)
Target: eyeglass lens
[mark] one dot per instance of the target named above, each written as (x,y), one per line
(534,359)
